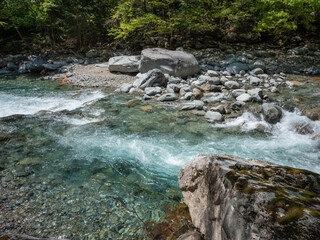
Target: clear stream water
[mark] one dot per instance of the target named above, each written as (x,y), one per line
(88,164)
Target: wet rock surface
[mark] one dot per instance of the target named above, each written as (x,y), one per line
(234,198)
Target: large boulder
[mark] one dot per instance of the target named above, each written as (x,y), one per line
(175,63)
(271,113)
(153,78)
(34,64)
(126,64)
(234,198)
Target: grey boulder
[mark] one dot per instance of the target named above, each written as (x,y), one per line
(245,97)
(234,198)
(271,113)
(231,85)
(151,91)
(126,64)
(211,116)
(153,78)
(257,71)
(125,88)
(258,64)
(255,81)
(196,104)
(237,92)
(51,67)
(175,63)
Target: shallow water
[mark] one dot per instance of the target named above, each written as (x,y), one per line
(88,164)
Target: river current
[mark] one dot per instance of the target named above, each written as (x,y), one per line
(91,164)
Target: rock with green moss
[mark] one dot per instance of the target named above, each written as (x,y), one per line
(234,198)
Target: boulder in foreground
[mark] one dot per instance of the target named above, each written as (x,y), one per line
(174,63)
(234,198)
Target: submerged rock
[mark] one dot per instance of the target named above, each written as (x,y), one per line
(175,63)
(234,198)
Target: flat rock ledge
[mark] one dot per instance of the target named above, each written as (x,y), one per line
(234,198)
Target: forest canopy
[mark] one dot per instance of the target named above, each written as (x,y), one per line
(89,21)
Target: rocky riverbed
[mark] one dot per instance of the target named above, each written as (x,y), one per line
(82,163)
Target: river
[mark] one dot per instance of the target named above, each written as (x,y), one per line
(91,164)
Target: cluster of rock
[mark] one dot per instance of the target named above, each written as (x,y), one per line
(234,198)
(22,64)
(176,75)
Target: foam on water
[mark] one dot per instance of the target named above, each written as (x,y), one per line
(16,104)
(165,153)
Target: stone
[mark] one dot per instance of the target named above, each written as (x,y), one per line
(212,73)
(153,78)
(101,66)
(257,71)
(223,80)
(220,108)
(197,93)
(237,105)
(210,80)
(3,63)
(274,89)
(174,88)
(244,98)
(240,36)
(92,53)
(12,67)
(211,88)
(235,68)
(34,64)
(125,64)
(255,91)
(196,104)
(190,236)
(258,64)
(271,113)
(313,114)
(125,88)
(151,91)
(234,198)
(256,94)
(212,117)
(51,67)
(168,97)
(175,63)
(146,97)
(237,92)
(254,81)
(231,85)
(4,71)
(187,96)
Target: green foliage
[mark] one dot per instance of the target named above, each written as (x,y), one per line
(89,20)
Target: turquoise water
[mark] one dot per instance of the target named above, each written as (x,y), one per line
(89,164)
